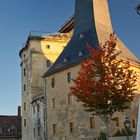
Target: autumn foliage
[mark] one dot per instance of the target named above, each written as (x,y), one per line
(105,83)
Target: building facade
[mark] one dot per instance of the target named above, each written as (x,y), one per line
(37,56)
(48,110)
(66,119)
(10,126)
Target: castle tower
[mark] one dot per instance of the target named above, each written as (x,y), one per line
(65,116)
(37,55)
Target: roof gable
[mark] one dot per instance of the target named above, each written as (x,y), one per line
(10,122)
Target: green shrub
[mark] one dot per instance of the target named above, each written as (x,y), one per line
(118,133)
(102,136)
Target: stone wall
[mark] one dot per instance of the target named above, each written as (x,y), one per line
(60,113)
(122,138)
(10,139)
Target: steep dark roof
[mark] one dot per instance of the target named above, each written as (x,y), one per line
(87,30)
(7,124)
(72,50)
(84,33)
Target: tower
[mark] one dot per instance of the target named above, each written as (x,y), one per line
(37,55)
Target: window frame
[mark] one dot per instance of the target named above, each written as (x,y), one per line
(34,132)
(71,127)
(38,107)
(33,109)
(54,129)
(53,102)
(25,122)
(69,77)
(48,46)
(24,72)
(24,106)
(133,123)
(24,87)
(92,122)
(53,82)
(48,63)
(38,131)
(69,99)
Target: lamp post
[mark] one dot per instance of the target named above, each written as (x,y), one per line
(127,126)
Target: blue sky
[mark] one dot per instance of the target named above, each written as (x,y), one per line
(19,17)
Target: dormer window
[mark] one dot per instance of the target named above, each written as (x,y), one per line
(80,53)
(81,36)
(66,59)
(12,129)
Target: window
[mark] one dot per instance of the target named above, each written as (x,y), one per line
(47,46)
(53,102)
(38,131)
(81,36)
(24,87)
(33,109)
(117,122)
(53,82)
(66,59)
(54,128)
(133,123)
(80,53)
(34,132)
(48,63)
(71,125)
(24,72)
(24,122)
(13,130)
(24,106)
(38,107)
(92,122)
(69,99)
(69,77)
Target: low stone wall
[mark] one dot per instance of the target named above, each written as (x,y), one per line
(10,138)
(122,138)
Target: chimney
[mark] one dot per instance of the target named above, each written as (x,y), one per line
(19,111)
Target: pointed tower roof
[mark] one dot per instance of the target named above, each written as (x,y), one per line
(92,24)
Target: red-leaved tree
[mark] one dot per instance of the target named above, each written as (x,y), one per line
(105,83)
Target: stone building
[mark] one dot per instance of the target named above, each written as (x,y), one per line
(66,119)
(37,55)
(10,127)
